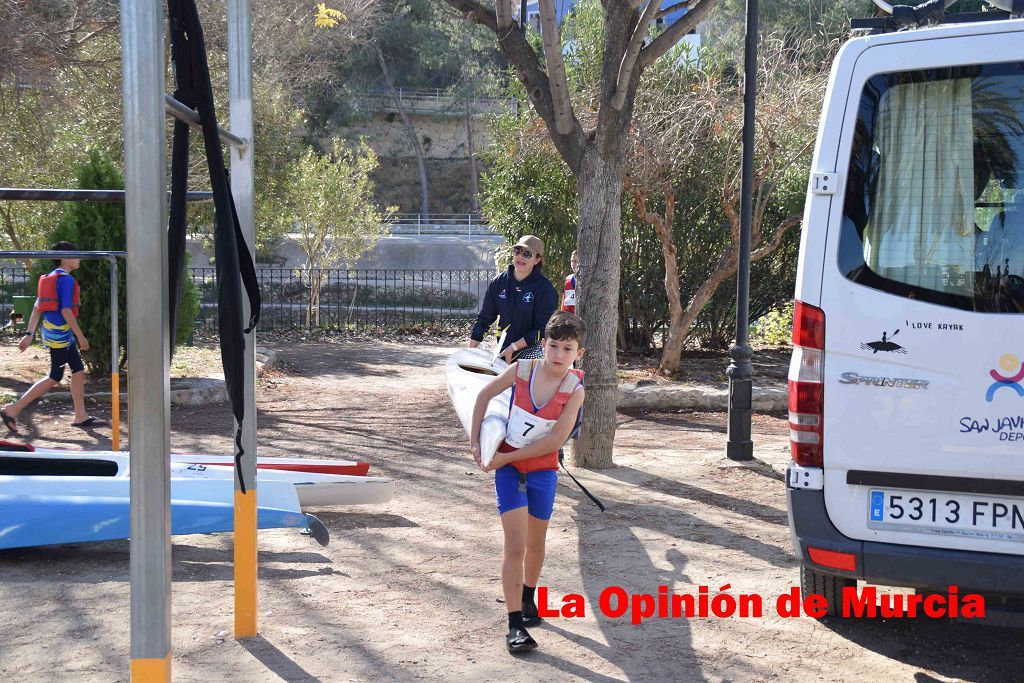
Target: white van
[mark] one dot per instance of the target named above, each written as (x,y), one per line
(906,387)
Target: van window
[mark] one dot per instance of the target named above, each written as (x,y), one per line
(934,204)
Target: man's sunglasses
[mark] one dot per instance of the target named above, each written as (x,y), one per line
(522,251)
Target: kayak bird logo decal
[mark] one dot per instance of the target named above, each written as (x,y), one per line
(528,297)
(1009,363)
(884,344)
(501,294)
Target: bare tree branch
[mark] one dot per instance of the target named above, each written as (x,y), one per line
(776,239)
(527,63)
(636,41)
(674,33)
(552,38)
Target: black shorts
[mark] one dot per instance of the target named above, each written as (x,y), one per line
(69,356)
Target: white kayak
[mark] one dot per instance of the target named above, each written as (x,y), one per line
(314,485)
(467,372)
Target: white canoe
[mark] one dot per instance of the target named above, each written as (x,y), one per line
(467,372)
(314,488)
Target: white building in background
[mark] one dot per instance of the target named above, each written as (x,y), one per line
(564,7)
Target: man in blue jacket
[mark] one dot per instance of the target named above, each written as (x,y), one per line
(521,299)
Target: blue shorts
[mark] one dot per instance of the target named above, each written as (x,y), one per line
(539,496)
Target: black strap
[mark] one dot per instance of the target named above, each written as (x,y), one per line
(234,265)
(591,496)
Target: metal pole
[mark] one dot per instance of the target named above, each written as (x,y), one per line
(240,96)
(68,195)
(183,112)
(739,445)
(145,143)
(115,376)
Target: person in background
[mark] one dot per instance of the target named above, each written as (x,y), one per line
(569,295)
(57,308)
(522,300)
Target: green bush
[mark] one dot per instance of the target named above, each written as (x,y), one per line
(775,328)
(100,226)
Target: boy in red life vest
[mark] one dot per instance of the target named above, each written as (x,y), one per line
(57,306)
(546,402)
(569,295)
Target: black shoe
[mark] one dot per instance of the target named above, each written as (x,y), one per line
(530,616)
(519,640)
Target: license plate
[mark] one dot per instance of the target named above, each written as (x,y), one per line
(951,514)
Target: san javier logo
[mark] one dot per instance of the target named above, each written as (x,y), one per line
(1009,363)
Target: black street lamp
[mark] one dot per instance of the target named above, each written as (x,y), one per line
(739,445)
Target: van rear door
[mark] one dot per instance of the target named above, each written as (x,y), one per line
(923,294)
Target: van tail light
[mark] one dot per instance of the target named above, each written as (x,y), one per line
(806,392)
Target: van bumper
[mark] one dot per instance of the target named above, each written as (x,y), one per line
(899,565)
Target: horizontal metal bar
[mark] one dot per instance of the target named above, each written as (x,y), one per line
(66,195)
(184,113)
(65,254)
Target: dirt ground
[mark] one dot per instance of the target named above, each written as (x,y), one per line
(410,590)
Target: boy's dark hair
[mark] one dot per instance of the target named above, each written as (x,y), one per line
(565,326)
(63,245)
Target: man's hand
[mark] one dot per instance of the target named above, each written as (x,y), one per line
(25,342)
(83,343)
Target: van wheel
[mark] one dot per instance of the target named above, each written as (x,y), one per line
(828,585)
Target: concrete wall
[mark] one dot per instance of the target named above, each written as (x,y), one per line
(395,253)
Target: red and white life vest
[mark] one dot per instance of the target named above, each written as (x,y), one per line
(46,293)
(527,423)
(569,298)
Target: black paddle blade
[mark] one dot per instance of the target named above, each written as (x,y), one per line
(317,530)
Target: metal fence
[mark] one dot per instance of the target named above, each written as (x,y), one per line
(357,299)
(450,224)
(353,300)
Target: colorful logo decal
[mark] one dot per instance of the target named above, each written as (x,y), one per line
(884,344)
(1009,363)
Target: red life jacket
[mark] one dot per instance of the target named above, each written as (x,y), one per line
(524,426)
(569,299)
(47,299)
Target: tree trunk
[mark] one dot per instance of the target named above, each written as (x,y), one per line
(599,188)
(413,137)
(12,234)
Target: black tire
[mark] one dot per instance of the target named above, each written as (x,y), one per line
(828,585)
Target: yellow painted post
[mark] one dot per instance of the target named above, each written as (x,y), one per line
(245,563)
(151,670)
(115,408)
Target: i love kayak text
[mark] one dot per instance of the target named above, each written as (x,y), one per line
(868,602)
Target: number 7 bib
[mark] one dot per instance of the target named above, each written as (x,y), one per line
(525,428)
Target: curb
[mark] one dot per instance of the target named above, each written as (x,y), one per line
(189,392)
(698,397)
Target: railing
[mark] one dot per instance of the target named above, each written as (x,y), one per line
(356,300)
(433,100)
(350,300)
(456,224)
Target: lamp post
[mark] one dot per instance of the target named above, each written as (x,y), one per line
(739,445)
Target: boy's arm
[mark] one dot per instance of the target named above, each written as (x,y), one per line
(497,385)
(72,321)
(553,441)
(30,333)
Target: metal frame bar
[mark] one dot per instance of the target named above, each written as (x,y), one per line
(145,156)
(115,378)
(242,190)
(69,195)
(183,112)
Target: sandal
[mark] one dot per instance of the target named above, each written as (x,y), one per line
(9,421)
(519,640)
(86,423)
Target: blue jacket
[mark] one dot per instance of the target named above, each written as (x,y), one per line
(524,307)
